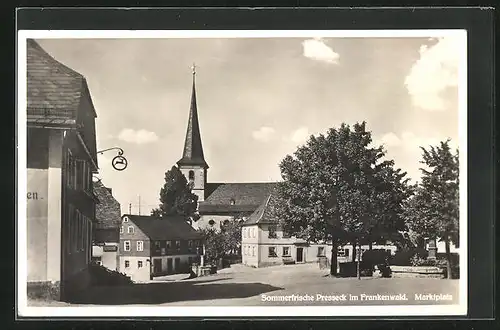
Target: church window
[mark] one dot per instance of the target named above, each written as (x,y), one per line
(191,175)
(211,222)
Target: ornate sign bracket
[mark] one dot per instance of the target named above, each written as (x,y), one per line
(119,162)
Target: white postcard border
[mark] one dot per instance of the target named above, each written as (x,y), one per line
(210,311)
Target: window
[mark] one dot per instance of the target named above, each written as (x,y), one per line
(190,245)
(321,251)
(139,264)
(244,233)
(157,244)
(130,230)
(272,232)
(253,251)
(140,246)
(191,175)
(286,251)
(125,219)
(126,246)
(178,245)
(211,222)
(169,244)
(272,252)
(121,230)
(127,264)
(232,201)
(346,252)
(253,232)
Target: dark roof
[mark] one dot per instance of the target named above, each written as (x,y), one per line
(107,235)
(262,214)
(107,211)
(193,149)
(246,197)
(54,91)
(167,228)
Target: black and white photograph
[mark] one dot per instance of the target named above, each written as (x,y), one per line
(242,173)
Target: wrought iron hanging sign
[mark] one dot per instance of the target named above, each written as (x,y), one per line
(118,162)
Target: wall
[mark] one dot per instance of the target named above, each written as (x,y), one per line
(184,263)
(136,273)
(204,220)
(44,205)
(250,253)
(199,180)
(108,259)
(37,208)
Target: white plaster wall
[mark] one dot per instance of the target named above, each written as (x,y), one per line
(199,180)
(136,274)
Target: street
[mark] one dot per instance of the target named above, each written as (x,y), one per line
(245,286)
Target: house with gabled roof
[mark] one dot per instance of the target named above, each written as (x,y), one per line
(61,158)
(218,202)
(106,229)
(152,246)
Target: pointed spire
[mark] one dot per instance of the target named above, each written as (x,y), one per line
(193,149)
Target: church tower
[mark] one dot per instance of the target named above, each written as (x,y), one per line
(193,164)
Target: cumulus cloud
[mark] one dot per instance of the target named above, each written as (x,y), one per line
(410,140)
(263,134)
(433,73)
(316,49)
(390,139)
(300,135)
(138,137)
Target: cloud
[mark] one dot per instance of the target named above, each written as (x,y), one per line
(300,135)
(316,49)
(138,137)
(433,73)
(263,134)
(390,139)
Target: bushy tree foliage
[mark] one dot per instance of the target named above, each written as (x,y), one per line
(337,188)
(176,197)
(434,210)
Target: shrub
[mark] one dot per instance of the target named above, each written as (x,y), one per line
(406,256)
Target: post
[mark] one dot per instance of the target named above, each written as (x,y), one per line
(359,261)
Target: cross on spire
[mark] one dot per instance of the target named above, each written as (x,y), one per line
(193,68)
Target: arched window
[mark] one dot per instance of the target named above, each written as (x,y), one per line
(191,175)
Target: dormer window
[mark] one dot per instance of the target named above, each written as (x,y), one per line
(125,219)
(231,202)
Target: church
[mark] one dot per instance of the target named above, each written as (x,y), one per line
(219,202)
(263,242)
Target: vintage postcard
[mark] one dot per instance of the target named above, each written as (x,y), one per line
(242,173)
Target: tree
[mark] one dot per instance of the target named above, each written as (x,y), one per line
(176,197)
(434,210)
(214,245)
(231,236)
(329,189)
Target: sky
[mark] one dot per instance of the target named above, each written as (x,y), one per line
(258,99)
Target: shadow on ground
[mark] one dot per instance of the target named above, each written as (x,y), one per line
(168,292)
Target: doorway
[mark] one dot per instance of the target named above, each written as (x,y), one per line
(177,265)
(300,254)
(157,266)
(169,266)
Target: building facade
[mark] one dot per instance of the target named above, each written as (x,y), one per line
(106,230)
(61,158)
(151,246)
(264,243)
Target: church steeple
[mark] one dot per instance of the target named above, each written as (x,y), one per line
(193,149)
